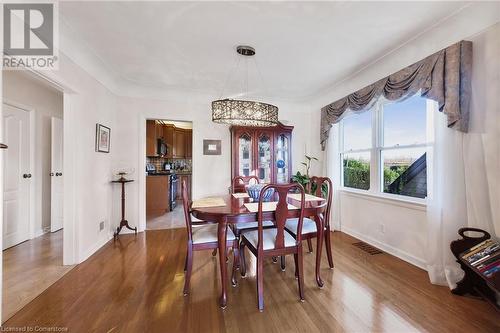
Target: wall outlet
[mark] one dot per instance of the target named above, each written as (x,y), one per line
(101,226)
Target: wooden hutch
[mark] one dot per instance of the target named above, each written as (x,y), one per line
(265,152)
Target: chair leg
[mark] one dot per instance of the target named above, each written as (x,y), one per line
(275,259)
(236,260)
(189,269)
(328,245)
(283,263)
(300,269)
(214,252)
(295,259)
(243,266)
(186,261)
(309,245)
(260,283)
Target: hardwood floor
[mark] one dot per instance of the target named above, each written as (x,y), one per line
(135,285)
(29,268)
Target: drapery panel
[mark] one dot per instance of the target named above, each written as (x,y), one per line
(444,76)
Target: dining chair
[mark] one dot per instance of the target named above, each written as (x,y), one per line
(276,241)
(309,229)
(238,186)
(239,183)
(203,236)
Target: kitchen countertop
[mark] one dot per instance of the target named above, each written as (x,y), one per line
(167,173)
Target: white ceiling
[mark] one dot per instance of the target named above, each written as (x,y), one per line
(302,48)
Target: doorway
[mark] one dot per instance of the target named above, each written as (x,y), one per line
(168,165)
(33,189)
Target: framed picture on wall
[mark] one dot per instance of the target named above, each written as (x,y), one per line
(102,138)
(211,147)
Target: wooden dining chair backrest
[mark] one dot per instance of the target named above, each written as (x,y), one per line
(186,204)
(319,181)
(281,213)
(239,183)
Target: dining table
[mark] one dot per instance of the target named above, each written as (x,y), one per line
(232,210)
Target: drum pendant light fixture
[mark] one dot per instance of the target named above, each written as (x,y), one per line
(244,112)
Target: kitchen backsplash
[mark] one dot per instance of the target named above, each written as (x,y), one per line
(176,164)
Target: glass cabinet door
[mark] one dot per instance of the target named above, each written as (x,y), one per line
(264,158)
(245,155)
(282,159)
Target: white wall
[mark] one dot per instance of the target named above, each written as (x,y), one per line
(46,102)
(404,224)
(211,174)
(87,187)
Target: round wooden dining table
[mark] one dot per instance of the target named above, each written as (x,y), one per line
(234,211)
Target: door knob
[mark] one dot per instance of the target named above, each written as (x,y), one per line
(27,175)
(51,174)
(58,174)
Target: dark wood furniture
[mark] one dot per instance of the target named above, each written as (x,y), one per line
(239,183)
(235,212)
(473,282)
(157,194)
(265,152)
(260,242)
(204,238)
(123,222)
(187,178)
(312,228)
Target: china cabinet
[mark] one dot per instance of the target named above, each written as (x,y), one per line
(265,152)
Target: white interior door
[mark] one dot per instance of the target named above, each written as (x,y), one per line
(57,183)
(17,176)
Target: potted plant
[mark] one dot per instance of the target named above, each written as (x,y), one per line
(304,179)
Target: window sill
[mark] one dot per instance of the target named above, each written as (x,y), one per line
(412,203)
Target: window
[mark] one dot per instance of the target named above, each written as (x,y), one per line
(357,145)
(391,140)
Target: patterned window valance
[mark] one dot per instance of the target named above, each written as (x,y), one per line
(444,76)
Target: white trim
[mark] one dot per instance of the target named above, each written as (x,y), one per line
(376,162)
(403,255)
(142,173)
(399,200)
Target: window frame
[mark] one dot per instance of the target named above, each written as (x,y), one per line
(376,162)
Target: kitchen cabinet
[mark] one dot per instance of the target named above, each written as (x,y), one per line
(187,178)
(189,143)
(151,138)
(178,140)
(265,152)
(179,143)
(168,135)
(157,194)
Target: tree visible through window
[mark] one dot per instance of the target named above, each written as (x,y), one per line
(357,144)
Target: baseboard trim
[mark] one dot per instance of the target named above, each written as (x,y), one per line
(403,255)
(87,254)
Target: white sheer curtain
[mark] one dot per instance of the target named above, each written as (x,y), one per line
(459,195)
(331,162)
(466,184)
(446,202)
